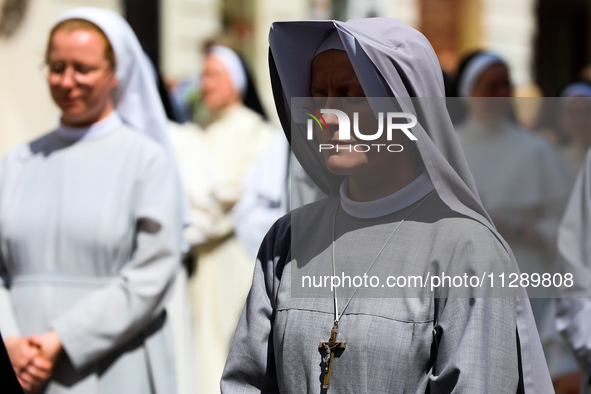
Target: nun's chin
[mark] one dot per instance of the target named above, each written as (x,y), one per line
(345,163)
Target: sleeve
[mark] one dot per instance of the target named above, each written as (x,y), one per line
(265,195)
(476,347)
(555,180)
(199,174)
(477,339)
(8,322)
(547,224)
(573,308)
(112,315)
(250,366)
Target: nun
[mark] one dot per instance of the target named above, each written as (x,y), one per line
(521,179)
(574,305)
(90,222)
(235,138)
(389,213)
(575,107)
(524,184)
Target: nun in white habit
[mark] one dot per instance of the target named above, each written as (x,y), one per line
(524,185)
(235,139)
(422,218)
(573,309)
(523,182)
(575,106)
(90,220)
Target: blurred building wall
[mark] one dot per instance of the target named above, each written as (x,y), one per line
(268,11)
(562,44)
(186,25)
(508,29)
(458,27)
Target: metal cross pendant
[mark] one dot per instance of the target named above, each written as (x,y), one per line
(329,346)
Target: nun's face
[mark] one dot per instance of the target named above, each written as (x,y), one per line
(577,120)
(493,82)
(81,79)
(333,77)
(218,90)
(491,92)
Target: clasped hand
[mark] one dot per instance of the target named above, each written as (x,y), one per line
(33,358)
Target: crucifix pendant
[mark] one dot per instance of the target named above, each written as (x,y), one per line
(329,346)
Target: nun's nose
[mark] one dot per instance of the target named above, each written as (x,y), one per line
(330,119)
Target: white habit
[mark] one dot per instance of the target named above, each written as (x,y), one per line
(90,227)
(223,266)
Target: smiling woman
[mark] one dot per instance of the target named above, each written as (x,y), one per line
(81,72)
(90,222)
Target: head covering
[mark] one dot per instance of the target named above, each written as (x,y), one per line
(233,66)
(332,42)
(251,97)
(136,97)
(577,89)
(379,49)
(240,76)
(392,59)
(473,68)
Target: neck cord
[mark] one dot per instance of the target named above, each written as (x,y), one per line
(337,316)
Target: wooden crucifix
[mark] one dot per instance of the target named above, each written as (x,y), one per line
(329,347)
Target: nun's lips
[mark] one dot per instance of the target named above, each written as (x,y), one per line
(71,100)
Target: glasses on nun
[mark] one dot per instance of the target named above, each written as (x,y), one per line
(81,73)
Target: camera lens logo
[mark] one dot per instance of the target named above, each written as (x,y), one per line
(345,128)
(345,124)
(317,118)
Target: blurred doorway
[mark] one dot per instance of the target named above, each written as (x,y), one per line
(144,18)
(562,43)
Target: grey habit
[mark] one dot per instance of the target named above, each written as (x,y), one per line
(394,345)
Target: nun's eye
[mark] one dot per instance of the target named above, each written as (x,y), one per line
(57,68)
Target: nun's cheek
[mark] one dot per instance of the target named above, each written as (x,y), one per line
(323,136)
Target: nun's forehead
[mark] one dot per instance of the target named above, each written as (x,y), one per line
(332,68)
(116,29)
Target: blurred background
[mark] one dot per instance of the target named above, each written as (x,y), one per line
(546,42)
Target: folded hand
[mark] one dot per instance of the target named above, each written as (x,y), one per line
(50,345)
(31,367)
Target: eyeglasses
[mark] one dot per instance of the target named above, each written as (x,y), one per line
(81,73)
